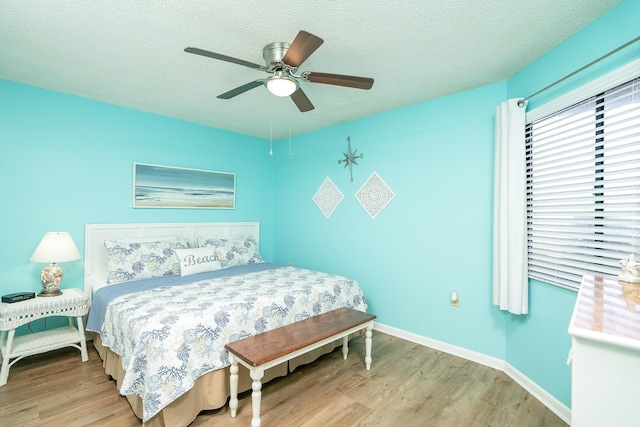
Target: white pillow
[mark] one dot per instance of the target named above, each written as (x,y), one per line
(197,260)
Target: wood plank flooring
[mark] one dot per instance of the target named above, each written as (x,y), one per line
(408,385)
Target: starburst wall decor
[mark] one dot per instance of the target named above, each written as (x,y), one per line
(350,158)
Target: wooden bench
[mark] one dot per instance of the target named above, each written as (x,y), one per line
(268,349)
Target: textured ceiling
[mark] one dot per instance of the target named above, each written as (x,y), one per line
(131,53)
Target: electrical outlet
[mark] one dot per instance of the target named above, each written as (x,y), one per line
(455,299)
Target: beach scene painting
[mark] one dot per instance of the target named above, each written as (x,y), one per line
(156,186)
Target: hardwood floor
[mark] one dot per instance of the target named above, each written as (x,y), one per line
(408,385)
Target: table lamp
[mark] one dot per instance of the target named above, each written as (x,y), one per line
(55,246)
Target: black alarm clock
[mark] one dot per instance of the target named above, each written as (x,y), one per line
(18,296)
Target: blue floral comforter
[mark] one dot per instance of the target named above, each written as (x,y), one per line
(169,336)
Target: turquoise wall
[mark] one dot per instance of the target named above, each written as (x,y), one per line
(67,161)
(538,344)
(434,237)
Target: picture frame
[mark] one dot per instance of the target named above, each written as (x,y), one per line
(157,186)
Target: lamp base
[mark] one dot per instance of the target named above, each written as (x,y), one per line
(50,279)
(50,293)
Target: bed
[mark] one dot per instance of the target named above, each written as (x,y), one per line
(167,297)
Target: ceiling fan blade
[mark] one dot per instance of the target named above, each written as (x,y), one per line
(301,48)
(301,101)
(339,80)
(241,89)
(224,58)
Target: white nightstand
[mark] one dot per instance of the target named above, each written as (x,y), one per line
(72,303)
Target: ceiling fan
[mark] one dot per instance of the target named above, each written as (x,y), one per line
(282,62)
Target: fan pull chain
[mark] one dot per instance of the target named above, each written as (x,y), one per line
(271,141)
(290,153)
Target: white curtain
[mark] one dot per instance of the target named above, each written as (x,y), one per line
(510,281)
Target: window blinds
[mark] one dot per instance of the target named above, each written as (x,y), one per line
(583,187)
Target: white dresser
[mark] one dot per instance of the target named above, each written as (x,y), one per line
(605,359)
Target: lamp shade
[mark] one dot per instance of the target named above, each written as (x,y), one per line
(281,86)
(56,246)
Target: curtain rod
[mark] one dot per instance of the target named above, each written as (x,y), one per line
(619,48)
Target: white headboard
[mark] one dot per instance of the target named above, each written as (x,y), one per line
(95,257)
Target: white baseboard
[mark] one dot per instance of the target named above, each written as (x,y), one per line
(538,392)
(480,358)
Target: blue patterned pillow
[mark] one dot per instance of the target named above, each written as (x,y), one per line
(231,252)
(140,260)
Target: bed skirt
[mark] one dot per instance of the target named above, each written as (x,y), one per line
(210,391)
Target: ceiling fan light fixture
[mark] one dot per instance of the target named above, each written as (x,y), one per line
(282,61)
(280,85)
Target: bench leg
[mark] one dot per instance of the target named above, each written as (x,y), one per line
(233,386)
(256,395)
(367,346)
(345,347)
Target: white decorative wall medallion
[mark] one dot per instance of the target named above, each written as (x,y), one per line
(374,195)
(328,197)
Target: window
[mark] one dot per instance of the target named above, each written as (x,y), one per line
(583,186)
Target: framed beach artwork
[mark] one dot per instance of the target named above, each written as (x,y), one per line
(156,186)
